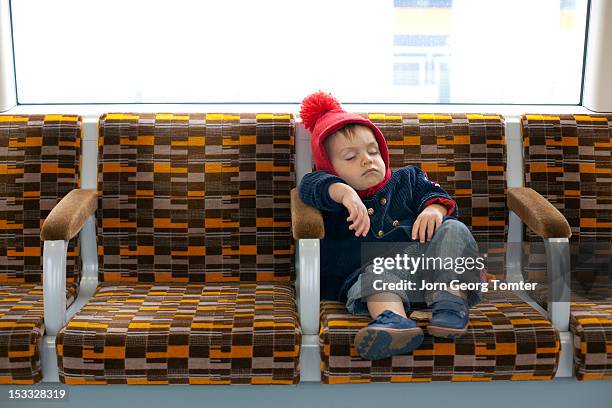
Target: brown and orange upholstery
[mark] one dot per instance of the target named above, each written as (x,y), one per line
(195,254)
(568,160)
(507,339)
(39,164)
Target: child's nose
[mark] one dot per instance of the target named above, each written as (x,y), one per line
(367,159)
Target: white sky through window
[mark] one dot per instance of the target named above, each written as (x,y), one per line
(402,51)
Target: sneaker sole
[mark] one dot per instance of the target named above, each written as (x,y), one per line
(446,332)
(375,344)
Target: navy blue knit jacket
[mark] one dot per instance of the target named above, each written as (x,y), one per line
(393,209)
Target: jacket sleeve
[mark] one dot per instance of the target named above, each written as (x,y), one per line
(427,192)
(314,190)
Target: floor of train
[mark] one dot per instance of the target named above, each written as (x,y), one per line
(559,393)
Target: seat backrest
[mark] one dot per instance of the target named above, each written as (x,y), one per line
(466,155)
(568,160)
(39,164)
(195,197)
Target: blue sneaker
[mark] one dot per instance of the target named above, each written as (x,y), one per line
(450,316)
(387,335)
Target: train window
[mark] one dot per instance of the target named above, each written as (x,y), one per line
(401,51)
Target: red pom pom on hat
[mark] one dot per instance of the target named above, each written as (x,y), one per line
(316,105)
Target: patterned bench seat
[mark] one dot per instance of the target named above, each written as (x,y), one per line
(39,164)
(195,254)
(506,340)
(217,333)
(568,160)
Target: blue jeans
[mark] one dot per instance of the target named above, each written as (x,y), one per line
(451,240)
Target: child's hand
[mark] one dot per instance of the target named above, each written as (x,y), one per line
(358,215)
(428,221)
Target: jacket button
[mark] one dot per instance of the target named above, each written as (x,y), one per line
(395,223)
(370,211)
(381,233)
(383,201)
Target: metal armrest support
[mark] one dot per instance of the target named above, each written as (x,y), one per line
(72,214)
(54,275)
(308,281)
(548,223)
(308,229)
(558,277)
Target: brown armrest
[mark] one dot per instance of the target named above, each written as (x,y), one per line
(306,221)
(539,215)
(69,215)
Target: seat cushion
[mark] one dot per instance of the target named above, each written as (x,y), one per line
(591,325)
(506,340)
(225,333)
(21,325)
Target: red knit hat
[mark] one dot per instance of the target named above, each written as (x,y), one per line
(322,115)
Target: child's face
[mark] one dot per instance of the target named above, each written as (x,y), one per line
(357,160)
